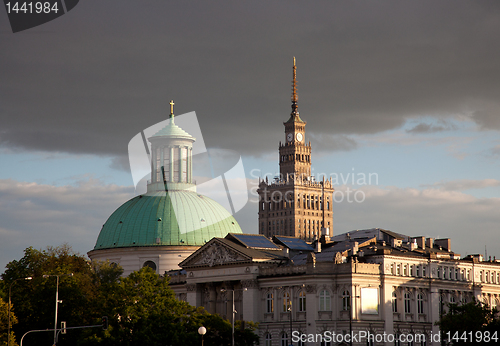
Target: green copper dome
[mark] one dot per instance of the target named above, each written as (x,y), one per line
(179,217)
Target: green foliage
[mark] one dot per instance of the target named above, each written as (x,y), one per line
(141,308)
(34,300)
(4,308)
(146,312)
(471,317)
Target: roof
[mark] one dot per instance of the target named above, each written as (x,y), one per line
(253,241)
(294,118)
(224,251)
(172,130)
(293,243)
(178,217)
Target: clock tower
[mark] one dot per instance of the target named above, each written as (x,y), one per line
(294,203)
(295,153)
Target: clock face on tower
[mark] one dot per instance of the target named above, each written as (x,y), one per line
(299,137)
(289,137)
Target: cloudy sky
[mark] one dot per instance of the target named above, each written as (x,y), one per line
(408,91)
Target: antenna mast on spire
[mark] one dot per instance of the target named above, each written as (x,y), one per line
(295,97)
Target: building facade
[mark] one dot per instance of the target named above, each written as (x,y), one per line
(374,282)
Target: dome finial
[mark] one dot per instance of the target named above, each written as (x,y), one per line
(295,97)
(172,108)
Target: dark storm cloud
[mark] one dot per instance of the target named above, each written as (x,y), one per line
(90,80)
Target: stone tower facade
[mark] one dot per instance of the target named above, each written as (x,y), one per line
(295,204)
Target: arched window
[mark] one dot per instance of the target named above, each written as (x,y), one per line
(394,302)
(407,302)
(269,303)
(286,301)
(420,303)
(302,301)
(150,264)
(269,340)
(324,300)
(346,300)
(284,339)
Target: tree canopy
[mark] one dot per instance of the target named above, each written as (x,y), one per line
(141,308)
(461,323)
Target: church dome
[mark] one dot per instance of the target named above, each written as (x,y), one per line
(176,217)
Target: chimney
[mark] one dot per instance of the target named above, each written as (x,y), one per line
(429,242)
(414,245)
(355,248)
(286,252)
(325,235)
(396,242)
(318,246)
(420,242)
(444,243)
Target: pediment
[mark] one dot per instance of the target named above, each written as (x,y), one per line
(214,253)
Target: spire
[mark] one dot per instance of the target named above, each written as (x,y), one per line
(172,110)
(295,97)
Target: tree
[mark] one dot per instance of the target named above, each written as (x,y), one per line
(144,311)
(468,318)
(141,308)
(4,308)
(34,301)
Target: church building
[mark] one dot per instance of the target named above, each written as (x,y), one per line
(171,220)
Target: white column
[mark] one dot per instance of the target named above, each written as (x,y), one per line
(311,308)
(434,307)
(251,300)
(386,309)
(162,162)
(171,164)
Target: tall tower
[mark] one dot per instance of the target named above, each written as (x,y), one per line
(295,204)
(295,154)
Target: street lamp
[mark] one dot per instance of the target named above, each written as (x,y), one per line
(234,311)
(290,310)
(8,312)
(202,331)
(57,301)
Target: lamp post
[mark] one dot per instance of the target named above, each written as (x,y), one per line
(202,331)
(233,312)
(8,312)
(290,310)
(57,302)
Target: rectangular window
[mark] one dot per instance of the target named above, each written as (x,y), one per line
(302,301)
(269,303)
